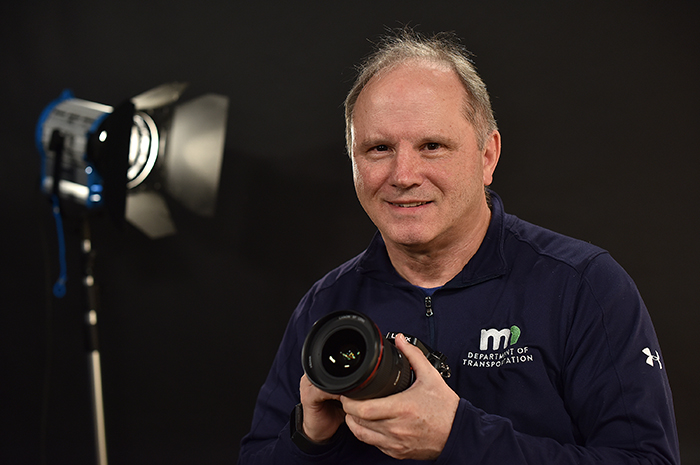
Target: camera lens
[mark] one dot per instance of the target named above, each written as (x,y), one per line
(345,353)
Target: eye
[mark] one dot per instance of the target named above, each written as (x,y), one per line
(432,146)
(381,148)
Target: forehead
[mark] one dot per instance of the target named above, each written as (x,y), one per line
(419,75)
(410,92)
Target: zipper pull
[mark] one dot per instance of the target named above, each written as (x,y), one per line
(428,306)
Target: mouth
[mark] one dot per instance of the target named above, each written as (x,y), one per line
(409,204)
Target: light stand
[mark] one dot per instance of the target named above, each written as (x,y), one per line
(93,350)
(120,159)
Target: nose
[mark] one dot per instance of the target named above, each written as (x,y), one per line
(406,169)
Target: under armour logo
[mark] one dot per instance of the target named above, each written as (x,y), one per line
(651,358)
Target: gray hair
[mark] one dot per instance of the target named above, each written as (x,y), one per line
(442,48)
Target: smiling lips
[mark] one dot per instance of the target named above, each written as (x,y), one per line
(409,204)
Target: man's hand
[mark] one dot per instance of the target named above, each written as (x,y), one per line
(323,414)
(412,424)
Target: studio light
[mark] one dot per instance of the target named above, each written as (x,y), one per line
(124,158)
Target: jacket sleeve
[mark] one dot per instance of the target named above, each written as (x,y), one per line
(269,440)
(614,386)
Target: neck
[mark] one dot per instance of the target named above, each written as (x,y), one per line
(433,265)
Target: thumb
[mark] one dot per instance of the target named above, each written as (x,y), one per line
(415,356)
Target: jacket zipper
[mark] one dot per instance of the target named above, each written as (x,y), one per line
(428,306)
(431,323)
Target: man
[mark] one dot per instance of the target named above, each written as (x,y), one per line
(554,358)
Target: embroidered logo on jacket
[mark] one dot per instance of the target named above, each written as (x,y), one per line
(652,358)
(495,349)
(508,336)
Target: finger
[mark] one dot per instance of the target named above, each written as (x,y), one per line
(377,409)
(322,413)
(378,434)
(415,356)
(313,396)
(366,431)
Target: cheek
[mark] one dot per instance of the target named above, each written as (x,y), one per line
(460,181)
(357,177)
(366,178)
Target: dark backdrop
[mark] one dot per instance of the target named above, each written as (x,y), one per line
(597,103)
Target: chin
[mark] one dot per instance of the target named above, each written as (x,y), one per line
(408,240)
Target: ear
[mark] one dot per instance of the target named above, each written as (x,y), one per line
(492,153)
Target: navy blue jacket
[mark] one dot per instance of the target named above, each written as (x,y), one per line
(551,348)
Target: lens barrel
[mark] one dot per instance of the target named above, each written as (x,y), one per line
(346,353)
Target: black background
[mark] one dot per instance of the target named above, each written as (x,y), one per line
(597,103)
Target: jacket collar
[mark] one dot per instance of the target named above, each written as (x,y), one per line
(488,263)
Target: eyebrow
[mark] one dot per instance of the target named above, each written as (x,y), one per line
(372,142)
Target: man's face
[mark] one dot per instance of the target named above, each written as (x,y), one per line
(418,171)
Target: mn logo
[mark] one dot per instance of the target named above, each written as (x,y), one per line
(509,336)
(652,358)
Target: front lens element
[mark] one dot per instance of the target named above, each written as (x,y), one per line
(343,352)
